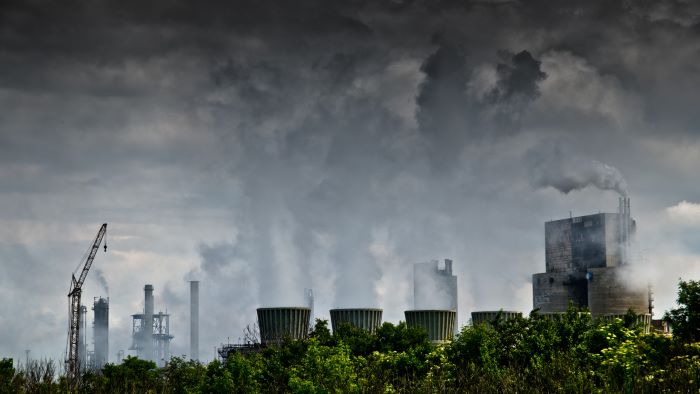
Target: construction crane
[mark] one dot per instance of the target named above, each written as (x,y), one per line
(72,363)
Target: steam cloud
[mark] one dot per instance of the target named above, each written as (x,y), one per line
(555,166)
(98,274)
(308,133)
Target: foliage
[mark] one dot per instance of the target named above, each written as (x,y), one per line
(685,320)
(567,353)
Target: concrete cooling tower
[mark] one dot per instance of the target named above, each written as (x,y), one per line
(488,317)
(365,318)
(284,322)
(440,324)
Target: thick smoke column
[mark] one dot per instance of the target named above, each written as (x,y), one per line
(101,280)
(555,166)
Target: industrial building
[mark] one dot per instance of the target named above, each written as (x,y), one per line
(585,259)
(439,324)
(434,286)
(488,317)
(100,355)
(277,324)
(368,319)
(151,332)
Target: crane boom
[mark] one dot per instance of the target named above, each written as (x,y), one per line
(74,318)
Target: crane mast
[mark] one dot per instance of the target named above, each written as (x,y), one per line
(73,365)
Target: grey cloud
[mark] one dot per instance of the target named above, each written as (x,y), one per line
(261,147)
(553,165)
(518,78)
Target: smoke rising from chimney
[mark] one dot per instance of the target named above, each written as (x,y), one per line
(556,166)
(101,280)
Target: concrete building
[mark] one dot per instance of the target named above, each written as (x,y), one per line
(585,259)
(435,287)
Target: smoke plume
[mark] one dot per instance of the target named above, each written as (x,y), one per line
(555,166)
(99,276)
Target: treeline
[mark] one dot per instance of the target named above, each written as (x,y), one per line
(572,353)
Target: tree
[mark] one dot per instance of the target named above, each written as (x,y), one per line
(685,320)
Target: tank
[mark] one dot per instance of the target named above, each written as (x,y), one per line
(440,324)
(610,294)
(283,322)
(487,317)
(365,318)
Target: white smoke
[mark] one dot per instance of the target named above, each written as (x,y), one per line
(99,276)
(556,166)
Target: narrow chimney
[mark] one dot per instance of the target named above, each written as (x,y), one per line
(147,329)
(194,320)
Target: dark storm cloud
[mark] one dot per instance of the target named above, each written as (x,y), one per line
(518,79)
(265,147)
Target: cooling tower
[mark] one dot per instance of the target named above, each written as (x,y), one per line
(365,318)
(610,294)
(278,323)
(440,324)
(101,332)
(488,317)
(557,316)
(643,319)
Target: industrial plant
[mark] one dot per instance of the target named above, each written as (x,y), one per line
(151,332)
(586,261)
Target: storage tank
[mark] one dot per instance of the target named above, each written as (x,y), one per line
(365,318)
(487,317)
(440,324)
(609,293)
(281,322)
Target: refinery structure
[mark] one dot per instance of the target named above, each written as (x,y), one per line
(151,331)
(586,260)
(586,266)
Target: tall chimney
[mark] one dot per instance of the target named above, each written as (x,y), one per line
(101,333)
(147,329)
(194,320)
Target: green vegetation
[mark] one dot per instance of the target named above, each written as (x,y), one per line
(570,353)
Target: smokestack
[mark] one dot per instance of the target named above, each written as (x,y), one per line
(147,329)
(82,353)
(194,320)
(101,332)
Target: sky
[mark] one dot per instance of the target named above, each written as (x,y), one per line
(266,147)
